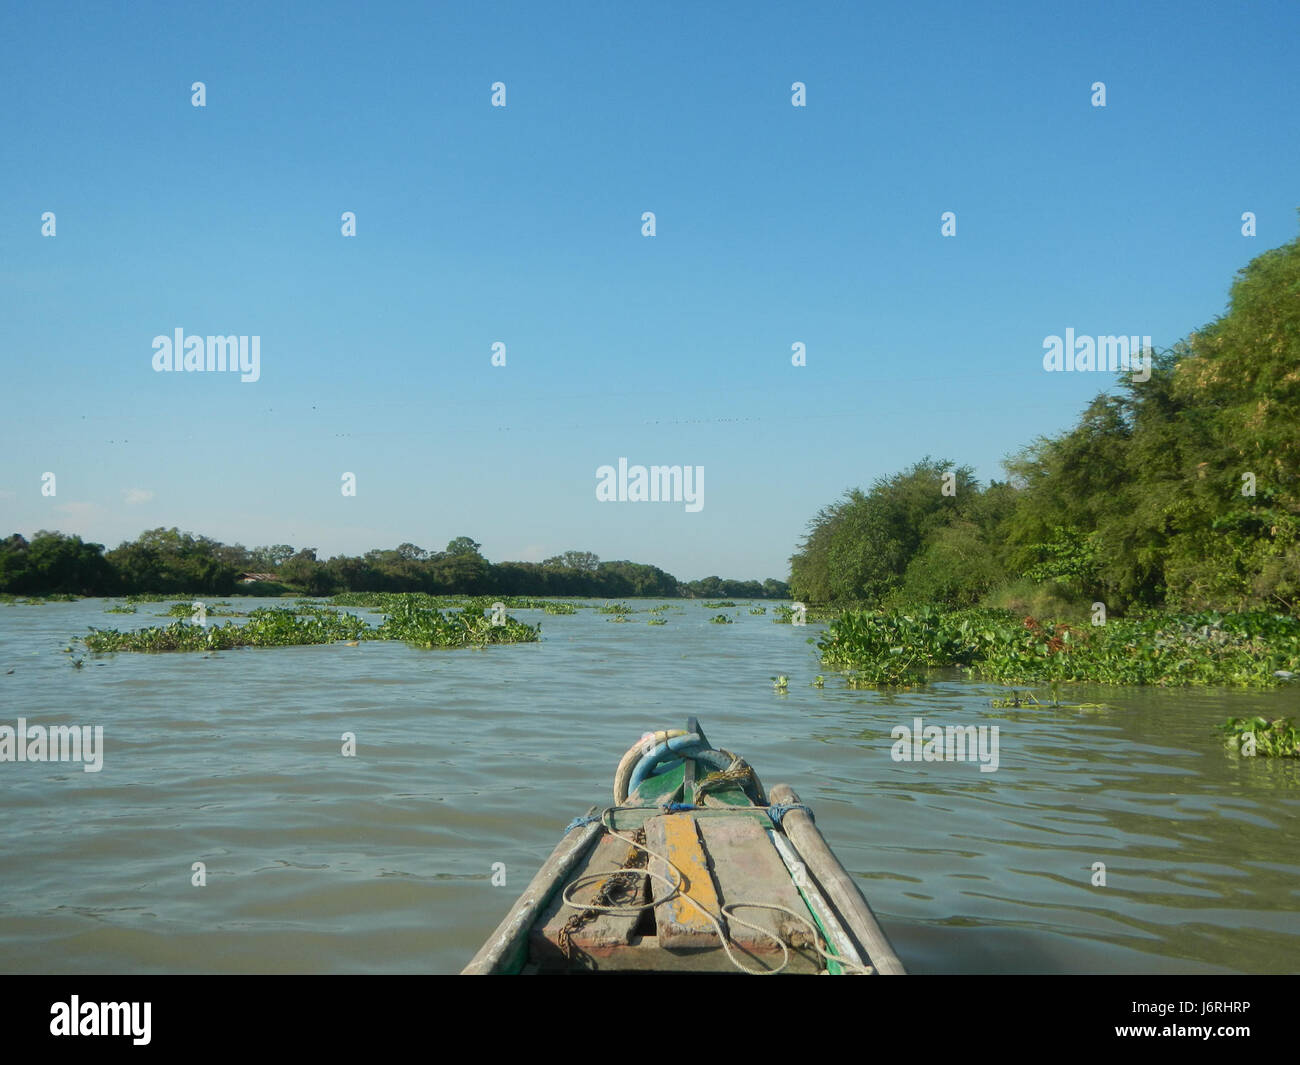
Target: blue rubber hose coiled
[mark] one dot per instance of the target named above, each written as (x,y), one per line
(669,752)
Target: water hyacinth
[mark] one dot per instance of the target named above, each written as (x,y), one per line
(268,627)
(315,624)
(427,628)
(386,600)
(38,600)
(1257,736)
(898,648)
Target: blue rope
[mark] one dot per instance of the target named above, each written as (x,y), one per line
(778,812)
(678,807)
(578,822)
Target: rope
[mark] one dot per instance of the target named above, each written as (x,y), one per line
(613,890)
(677,890)
(737,772)
(578,822)
(777,811)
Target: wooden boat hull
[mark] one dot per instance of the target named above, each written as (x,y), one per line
(732,881)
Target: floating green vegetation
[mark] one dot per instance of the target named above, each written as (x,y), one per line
(38,600)
(559,608)
(661,608)
(309,608)
(720,619)
(785,615)
(719,604)
(900,648)
(620,619)
(385,600)
(657,621)
(427,628)
(1258,736)
(120,608)
(819,681)
(269,627)
(900,673)
(289,627)
(758,610)
(615,608)
(781,683)
(216,610)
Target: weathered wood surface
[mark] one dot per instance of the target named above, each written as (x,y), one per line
(837,885)
(505,948)
(679,922)
(606,935)
(726,860)
(747,869)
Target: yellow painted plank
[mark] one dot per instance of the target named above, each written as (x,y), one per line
(680,923)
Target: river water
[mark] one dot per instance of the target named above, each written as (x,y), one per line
(383,862)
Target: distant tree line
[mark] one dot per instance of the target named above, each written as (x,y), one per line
(1181,492)
(168,560)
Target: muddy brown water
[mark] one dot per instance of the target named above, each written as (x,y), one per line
(383,862)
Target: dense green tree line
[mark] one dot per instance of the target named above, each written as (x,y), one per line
(1182,491)
(170,561)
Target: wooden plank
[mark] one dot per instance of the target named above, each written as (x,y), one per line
(679,922)
(606,934)
(747,869)
(837,885)
(840,943)
(505,947)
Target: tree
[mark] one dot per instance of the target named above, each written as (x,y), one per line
(462,545)
(859,548)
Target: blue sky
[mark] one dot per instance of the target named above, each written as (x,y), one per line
(522,224)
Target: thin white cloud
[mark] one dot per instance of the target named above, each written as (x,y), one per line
(78,518)
(139,495)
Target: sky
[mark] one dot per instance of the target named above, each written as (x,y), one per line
(523,225)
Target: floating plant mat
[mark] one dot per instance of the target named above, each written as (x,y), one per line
(312,624)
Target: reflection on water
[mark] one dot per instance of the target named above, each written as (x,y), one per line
(383,862)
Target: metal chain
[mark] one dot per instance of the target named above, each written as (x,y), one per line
(613,892)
